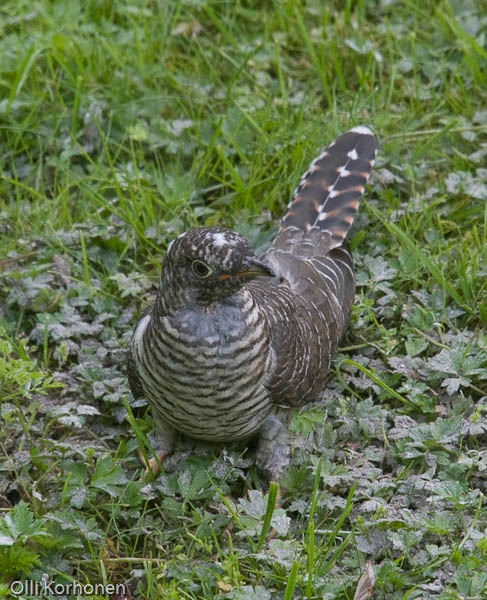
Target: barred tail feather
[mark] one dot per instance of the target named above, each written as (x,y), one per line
(329,193)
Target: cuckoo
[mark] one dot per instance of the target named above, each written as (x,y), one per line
(232,338)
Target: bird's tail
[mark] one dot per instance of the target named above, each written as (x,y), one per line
(329,193)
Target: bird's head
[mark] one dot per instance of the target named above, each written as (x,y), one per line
(207,264)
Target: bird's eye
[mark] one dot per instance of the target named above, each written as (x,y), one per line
(201,269)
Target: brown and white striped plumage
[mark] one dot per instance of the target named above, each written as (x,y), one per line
(231,337)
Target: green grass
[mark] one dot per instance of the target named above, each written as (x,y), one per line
(122,125)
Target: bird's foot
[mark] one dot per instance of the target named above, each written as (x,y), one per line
(272,454)
(153,465)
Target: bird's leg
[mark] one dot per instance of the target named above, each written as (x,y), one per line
(153,465)
(272,454)
(166,435)
(272,458)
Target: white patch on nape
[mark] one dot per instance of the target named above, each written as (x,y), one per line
(343,172)
(220,240)
(353,154)
(362,130)
(170,246)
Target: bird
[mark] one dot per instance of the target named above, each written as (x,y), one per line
(232,339)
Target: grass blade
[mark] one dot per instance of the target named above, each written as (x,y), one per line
(271,505)
(423,259)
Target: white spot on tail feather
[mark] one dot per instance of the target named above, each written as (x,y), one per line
(353,154)
(362,130)
(343,172)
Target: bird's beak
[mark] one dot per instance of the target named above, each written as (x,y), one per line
(252,267)
(255,268)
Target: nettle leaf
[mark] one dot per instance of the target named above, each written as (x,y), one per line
(131,285)
(280,521)
(379,269)
(442,363)
(253,512)
(72,421)
(87,409)
(248,592)
(475,187)
(111,390)
(428,439)
(256,504)
(33,292)
(75,488)
(192,485)
(463,361)
(86,527)
(456,493)
(476,423)
(419,393)
(480,117)
(66,324)
(452,384)
(77,472)
(452,182)
(442,431)
(447,430)
(72,414)
(78,497)
(369,416)
(415,345)
(108,476)
(305,422)
(475,364)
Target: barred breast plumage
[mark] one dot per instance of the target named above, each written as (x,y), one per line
(231,337)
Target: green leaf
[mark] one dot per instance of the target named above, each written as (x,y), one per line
(17,560)
(108,476)
(305,422)
(20,521)
(415,345)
